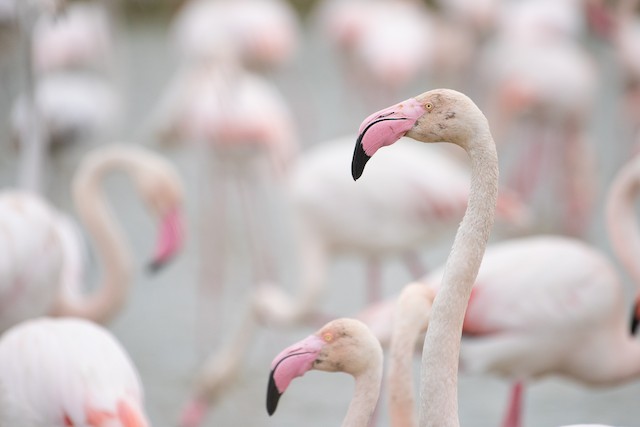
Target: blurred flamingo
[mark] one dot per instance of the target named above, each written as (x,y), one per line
(548,88)
(78,39)
(67,372)
(386,45)
(67,96)
(263,34)
(241,134)
(35,233)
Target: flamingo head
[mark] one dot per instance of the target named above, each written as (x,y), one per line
(440,115)
(162,192)
(344,345)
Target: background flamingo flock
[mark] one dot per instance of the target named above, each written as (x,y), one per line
(153,281)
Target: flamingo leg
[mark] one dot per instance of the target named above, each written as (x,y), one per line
(212,248)
(513,417)
(527,175)
(374,280)
(263,264)
(578,181)
(414,264)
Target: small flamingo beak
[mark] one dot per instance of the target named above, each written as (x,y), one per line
(384,128)
(170,240)
(292,362)
(635,316)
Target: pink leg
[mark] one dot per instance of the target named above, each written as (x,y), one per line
(526,177)
(513,417)
(577,192)
(263,263)
(212,249)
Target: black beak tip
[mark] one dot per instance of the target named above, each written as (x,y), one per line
(154,266)
(635,321)
(360,159)
(273,395)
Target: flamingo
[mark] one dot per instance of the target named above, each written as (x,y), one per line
(549,84)
(72,106)
(591,306)
(67,372)
(444,115)
(263,33)
(36,233)
(387,44)
(243,138)
(342,345)
(79,39)
(574,300)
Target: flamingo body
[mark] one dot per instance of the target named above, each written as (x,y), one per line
(67,372)
(406,208)
(536,300)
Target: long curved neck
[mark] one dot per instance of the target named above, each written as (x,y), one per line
(108,297)
(439,376)
(622,224)
(365,397)
(405,333)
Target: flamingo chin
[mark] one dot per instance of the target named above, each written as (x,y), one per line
(294,361)
(169,241)
(383,128)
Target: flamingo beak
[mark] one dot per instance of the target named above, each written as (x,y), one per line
(384,128)
(635,316)
(169,241)
(292,362)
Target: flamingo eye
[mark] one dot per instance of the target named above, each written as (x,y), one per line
(328,337)
(428,106)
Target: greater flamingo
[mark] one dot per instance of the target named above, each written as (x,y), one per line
(67,372)
(572,299)
(342,345)
(35,233)
(443,115)
(579,304)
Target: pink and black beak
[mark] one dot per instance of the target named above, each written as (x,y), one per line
(292,362)
(169,240)
(384,128)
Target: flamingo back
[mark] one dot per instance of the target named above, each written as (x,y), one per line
(30,257)
(67,372)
